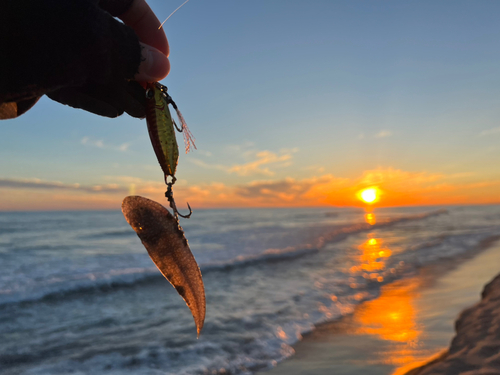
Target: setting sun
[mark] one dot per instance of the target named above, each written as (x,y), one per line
(369,195)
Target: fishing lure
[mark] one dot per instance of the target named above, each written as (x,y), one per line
(159,231)
(161,128)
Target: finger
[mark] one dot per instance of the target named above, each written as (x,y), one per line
(154,65)
(141,18)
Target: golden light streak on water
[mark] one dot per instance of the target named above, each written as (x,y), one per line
(372,257)
(370,218)
(392,317)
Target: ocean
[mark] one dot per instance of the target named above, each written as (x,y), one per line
(80,295)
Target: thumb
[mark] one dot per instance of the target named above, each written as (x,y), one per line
(154,65)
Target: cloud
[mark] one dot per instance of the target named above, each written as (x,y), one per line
(204,153)
(36,194)
(490,131)
(263,193)
(256,166)
(315,169)
(35,183)
(397,188)
(461,175)
(383,134)
(205,165)
(260,166)
(239,148)
(287,189)
(99,143)
(396,177)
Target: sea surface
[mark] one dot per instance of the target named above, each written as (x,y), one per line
(79,294)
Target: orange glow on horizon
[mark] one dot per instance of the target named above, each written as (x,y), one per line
(394,187)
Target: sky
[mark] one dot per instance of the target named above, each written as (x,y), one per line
(292,103)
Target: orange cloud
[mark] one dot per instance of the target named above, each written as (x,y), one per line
(55,199)
(255,167)
(260,166)
(396,188)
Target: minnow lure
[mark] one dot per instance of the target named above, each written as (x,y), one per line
(167,246)
(159,231)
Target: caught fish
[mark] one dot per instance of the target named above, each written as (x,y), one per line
(167,246)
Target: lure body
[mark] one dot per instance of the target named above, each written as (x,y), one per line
(161,128)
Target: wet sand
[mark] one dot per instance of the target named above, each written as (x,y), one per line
(475,349)
(410,323)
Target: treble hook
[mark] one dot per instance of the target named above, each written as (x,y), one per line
(170,197)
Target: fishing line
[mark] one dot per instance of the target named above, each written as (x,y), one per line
(171,14)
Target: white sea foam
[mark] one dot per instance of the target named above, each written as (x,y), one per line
(92,302)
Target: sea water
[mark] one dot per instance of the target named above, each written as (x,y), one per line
(79,294)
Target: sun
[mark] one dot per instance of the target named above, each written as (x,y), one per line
(369,195)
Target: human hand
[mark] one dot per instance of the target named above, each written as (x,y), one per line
(122,95)
(77,53)
(155,50)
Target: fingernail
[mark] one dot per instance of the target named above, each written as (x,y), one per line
(154,67)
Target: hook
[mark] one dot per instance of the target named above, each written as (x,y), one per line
(179,130)
(170,197)
(188,215)
(168,98)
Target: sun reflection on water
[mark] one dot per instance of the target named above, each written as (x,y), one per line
(392,317)
(372,259)
(370,218)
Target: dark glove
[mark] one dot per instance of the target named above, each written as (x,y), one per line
(105,100)
(74,51)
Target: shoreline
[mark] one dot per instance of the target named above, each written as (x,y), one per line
(475,349)
(409,325)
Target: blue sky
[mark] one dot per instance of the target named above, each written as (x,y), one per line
(288,94)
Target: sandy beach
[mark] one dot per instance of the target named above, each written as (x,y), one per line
(475,348)
(409,325)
